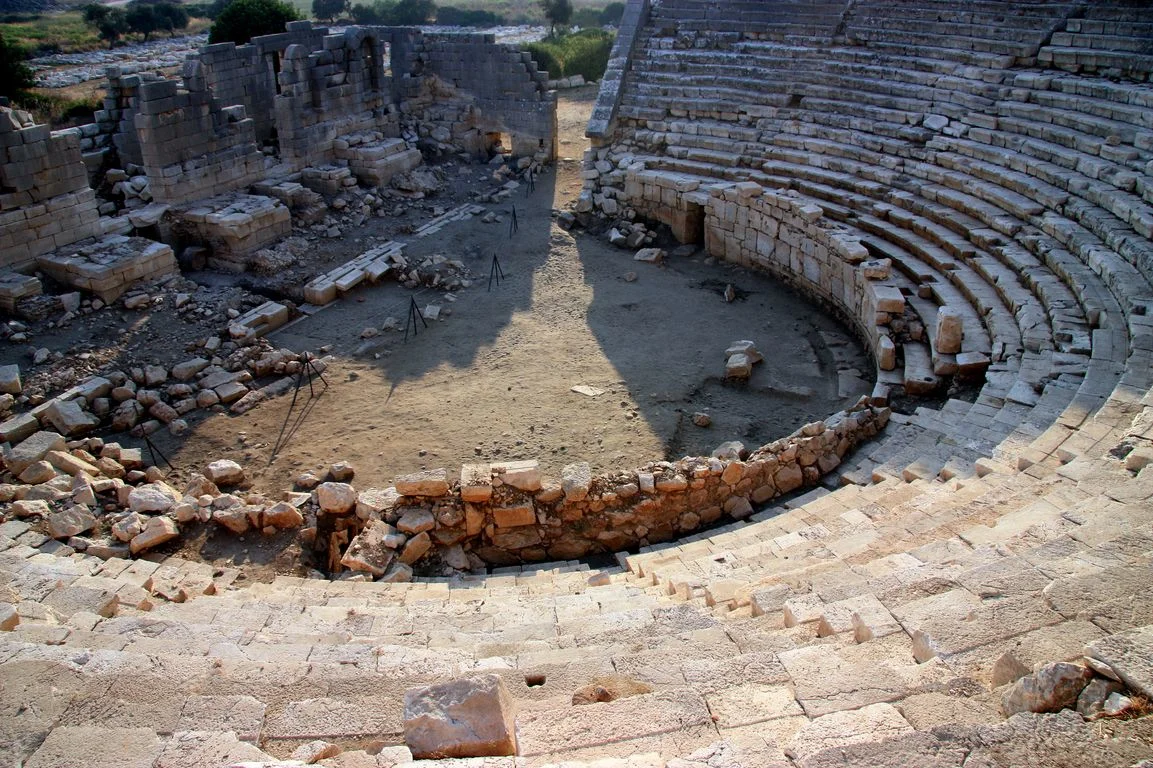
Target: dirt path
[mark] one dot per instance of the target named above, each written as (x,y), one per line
(492,379)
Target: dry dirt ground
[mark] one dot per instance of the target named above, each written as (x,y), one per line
(492,378)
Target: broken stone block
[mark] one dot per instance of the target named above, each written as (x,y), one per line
(283,515)
(157,531)
(153,497)
(471,717)
(224,472)
(32,449)
(336,498)
(416,548)
(523,475)
(1128,656)
(947,340)
(738,366)
(430,482)
(746,348)
(233,518)
(70,522)
(416,521)
(476,482)
(10,379)
(650,255)
(576,479)
(1051,688)
(9,619)
(367,551)
(68,418)
(189,368)
(511,517)
(37,472)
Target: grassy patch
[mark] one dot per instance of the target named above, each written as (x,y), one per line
(67,33)
(582,53)
(51,33)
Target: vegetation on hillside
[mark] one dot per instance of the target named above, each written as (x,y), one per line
(580,53)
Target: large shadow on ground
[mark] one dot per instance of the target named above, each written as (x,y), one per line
(666,333)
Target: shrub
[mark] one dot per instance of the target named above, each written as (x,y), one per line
(612,14)
(242,20)
(110,23)
(583,53)
(15,76)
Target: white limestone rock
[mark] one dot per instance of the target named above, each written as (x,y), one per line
(470,717)
(336,498)
(158,531)
(224,472)
(1051,688)
(153,497)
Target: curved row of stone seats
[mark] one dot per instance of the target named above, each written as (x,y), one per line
(1014,31)
(1108,37)
(776,19)
(993,191)
(283,663)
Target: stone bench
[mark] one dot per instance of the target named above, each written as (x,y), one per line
(108,266)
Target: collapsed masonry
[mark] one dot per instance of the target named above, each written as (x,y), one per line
(246,137)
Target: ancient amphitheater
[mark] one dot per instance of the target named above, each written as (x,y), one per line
(969,185)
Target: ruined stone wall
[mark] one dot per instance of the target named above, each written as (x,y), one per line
(45,201)
(192,145)
(247,74)
(507,513)
(783,235)
(327,93)
(510,92)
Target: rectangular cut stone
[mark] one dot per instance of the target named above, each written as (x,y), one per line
(524,475)
(476,482)
(512,517)
(430,482)
(31,450)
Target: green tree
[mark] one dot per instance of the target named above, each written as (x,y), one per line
(243,20)
(15,76)
(111,23)
(557,12)
(142,18)
(171,17)
(412,12)
(328,9)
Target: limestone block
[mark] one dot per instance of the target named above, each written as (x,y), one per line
(476,482)
(157,531)
(1049,689)
(471,717)
(32,449)
(576,480)
(367,551)
(947,339)
(224,472)
(430,483)
(68,418)
(70,522)
(523,475)
(336,498)
(10,379)
(1126,656)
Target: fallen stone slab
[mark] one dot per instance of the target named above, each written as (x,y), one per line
(471,717)
(1128,656)
(31,450)
(157,531)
